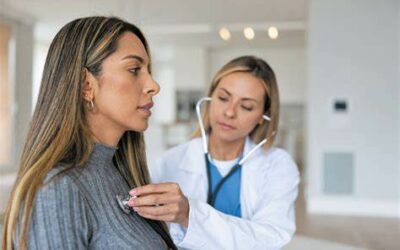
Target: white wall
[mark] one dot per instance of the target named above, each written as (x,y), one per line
(175,68)
(288,64)
(23,82)
(39,57)
(191,66)
(398,87)
(353,53)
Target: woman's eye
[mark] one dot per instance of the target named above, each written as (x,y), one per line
(135,71)
(222,99)
(247,108)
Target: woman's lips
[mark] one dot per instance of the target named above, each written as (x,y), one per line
(146,108)
(225,126)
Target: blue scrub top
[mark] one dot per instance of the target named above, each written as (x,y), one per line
(228,197)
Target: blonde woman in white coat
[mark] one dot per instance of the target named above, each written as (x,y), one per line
(253,208)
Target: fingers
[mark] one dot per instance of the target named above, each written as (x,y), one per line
(155,188)
(163,201)
(154,199)
(168,213)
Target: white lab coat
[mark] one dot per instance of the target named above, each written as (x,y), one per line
(269,188)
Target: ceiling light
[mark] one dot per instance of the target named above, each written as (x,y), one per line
(249,33)
(273,32)
(225,34)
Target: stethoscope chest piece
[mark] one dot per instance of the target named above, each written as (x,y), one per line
(122,201)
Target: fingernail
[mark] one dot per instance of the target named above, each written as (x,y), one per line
(136,209)
(133,192)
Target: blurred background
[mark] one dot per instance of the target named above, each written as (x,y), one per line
(338,69)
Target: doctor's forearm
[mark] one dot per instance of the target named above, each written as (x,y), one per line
(229,232)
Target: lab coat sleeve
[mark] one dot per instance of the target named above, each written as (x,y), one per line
(270,227)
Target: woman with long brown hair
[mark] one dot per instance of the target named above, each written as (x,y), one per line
(85,144)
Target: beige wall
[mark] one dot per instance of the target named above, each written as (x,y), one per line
(5,97)
(17,95)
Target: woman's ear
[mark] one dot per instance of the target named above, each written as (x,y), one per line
(89,85)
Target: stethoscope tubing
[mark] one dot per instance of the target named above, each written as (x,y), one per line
(211,195)
(204,136)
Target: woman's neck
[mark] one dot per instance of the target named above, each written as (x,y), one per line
(225,150)
(103,132)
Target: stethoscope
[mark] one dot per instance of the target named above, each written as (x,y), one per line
(122,201)
(211,195)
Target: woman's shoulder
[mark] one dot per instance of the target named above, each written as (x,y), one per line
(60,190)
(278,154)
(276,159)
(59,208)
(60,178)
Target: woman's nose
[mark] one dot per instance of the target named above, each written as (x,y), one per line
(151,87)
(230,110)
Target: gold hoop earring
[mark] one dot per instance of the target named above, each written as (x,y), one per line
(90,105)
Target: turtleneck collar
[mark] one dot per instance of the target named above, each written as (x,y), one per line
(103,153)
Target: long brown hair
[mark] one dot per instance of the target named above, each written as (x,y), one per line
(59,131)
(260,69)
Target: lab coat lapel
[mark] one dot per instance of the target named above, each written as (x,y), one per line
(247,171)
(193,159)
(193,164)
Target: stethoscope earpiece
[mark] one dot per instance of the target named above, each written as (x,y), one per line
(266,118)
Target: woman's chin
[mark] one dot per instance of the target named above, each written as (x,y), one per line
(139,127)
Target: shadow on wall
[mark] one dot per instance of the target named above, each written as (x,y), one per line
(291,132)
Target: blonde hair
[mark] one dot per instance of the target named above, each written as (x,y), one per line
(59,132)
(261,70)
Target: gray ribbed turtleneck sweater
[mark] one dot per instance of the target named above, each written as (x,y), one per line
(78,210)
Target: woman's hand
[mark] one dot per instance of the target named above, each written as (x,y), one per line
(163,201)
